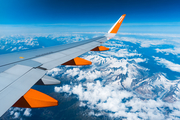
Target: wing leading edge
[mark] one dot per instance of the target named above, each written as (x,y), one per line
(20,71)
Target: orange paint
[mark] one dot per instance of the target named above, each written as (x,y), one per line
(81,61)
(21,57)
(118,24)
(35,99)
(78,61)
(100,48)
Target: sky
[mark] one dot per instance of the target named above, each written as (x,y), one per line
(140,13)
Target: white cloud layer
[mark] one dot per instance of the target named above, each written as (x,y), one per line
(17,112)
(172,40)
(110,98)
(168,64)
(174,51)
(27,112)
(114,96)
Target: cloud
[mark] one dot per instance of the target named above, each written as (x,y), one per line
(102,96)
(65,88)
(116,102)
(17,113)
(27,112)
(151,40)
(139,60)
(143,42)
(123,53)
(168,64)
(19,42)
(174,51)
(53,71)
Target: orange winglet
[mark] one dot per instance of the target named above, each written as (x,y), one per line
(35,99)
(117,25)
(78,61)
(100,48)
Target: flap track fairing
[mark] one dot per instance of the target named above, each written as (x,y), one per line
(35,99)
(78,62)
(100,48)
(46,80)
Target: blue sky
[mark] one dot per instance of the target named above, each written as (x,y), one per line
(140,13)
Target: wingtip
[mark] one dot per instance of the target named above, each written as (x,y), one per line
(114,29)
(117,25)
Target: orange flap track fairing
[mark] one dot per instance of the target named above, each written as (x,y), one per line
(78,61)
(35,99)
(100,48)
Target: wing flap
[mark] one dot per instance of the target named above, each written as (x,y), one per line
(10,75)
(18,70)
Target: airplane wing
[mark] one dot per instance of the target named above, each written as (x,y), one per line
(19,71)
